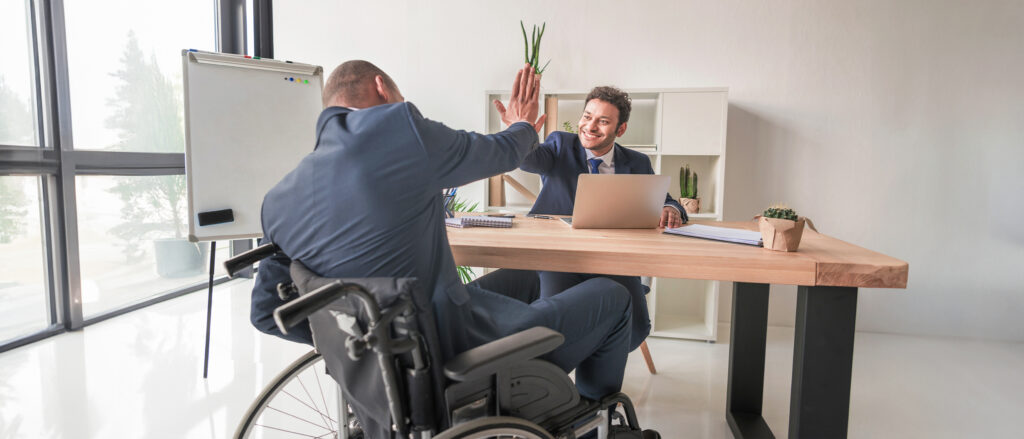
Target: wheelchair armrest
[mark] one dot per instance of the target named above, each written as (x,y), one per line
(487,359)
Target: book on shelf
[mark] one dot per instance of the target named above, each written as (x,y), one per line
(478,221)
(727,234)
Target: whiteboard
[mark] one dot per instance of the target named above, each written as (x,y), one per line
(248,122)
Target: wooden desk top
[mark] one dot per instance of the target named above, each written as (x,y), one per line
(543,244)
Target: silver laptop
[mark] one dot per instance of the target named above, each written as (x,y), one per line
(619,201)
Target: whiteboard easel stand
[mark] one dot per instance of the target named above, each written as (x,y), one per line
(209,307)
(219,84)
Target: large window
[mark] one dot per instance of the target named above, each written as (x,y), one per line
(17,76)
(93,214)
(126,74)
(128,97)
(131,234)
(23,286)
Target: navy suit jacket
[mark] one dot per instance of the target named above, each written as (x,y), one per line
(367,203)
(561,159)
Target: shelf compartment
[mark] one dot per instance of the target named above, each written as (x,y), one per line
(708,169)
(684,308)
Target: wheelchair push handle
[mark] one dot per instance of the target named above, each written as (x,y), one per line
(298,310)
(245,260)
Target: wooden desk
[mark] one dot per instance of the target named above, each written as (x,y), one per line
(828,272)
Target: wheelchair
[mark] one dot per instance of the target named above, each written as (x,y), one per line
(373,337)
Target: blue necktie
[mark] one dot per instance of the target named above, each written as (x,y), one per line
(594,165)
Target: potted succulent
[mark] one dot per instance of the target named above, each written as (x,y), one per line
(688,190)
(781,228)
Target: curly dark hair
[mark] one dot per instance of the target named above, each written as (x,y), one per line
(614,96)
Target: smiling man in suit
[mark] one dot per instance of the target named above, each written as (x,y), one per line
(564,156)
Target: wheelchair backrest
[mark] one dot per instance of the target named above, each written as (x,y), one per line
(374,334)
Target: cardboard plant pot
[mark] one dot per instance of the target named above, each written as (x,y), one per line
(691,205)
(781,234)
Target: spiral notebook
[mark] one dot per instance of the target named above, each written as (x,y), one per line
(478,221)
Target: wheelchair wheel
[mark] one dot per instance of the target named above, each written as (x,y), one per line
(496,427)
(301,401)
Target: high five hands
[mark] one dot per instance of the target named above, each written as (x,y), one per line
(523,105)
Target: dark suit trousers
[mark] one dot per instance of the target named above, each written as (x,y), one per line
(553,283)
(594,316)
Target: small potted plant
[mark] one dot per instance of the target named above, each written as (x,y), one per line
(781,228)
(688,190)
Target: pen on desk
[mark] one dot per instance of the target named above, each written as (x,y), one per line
(533,215)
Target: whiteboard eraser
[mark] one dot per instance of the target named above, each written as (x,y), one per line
(212,217)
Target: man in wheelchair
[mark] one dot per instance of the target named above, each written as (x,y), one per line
(366,204)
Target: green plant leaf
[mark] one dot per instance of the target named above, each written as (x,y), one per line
(526,45)
(465,273)
(545,67)
(533,46)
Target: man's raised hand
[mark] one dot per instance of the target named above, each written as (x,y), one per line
(523,106)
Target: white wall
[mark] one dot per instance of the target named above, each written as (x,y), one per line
(895,125)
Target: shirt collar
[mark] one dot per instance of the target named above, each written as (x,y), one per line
(608,158)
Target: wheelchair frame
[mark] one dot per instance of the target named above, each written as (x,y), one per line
(470,415)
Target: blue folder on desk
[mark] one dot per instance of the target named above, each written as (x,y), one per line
(738,236)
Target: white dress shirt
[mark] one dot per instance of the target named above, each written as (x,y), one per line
(607,165)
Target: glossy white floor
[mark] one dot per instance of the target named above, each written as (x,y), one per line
(140,376)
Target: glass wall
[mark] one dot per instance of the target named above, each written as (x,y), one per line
(125,75)
(93,215)
(17,76)
(132,240)
(23,280)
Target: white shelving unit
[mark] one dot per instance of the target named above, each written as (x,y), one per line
(674,127)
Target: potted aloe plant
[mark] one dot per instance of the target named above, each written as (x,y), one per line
(781,228)
(688,190)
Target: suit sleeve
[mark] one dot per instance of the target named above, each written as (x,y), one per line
(670,202)
(272,271)
(459,157)
(542,159)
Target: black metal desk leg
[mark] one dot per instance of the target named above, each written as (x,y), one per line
(746,361)
(822,362)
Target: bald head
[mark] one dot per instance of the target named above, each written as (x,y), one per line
(360,84)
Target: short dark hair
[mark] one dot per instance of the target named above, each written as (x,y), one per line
(348,79)
(614,96)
